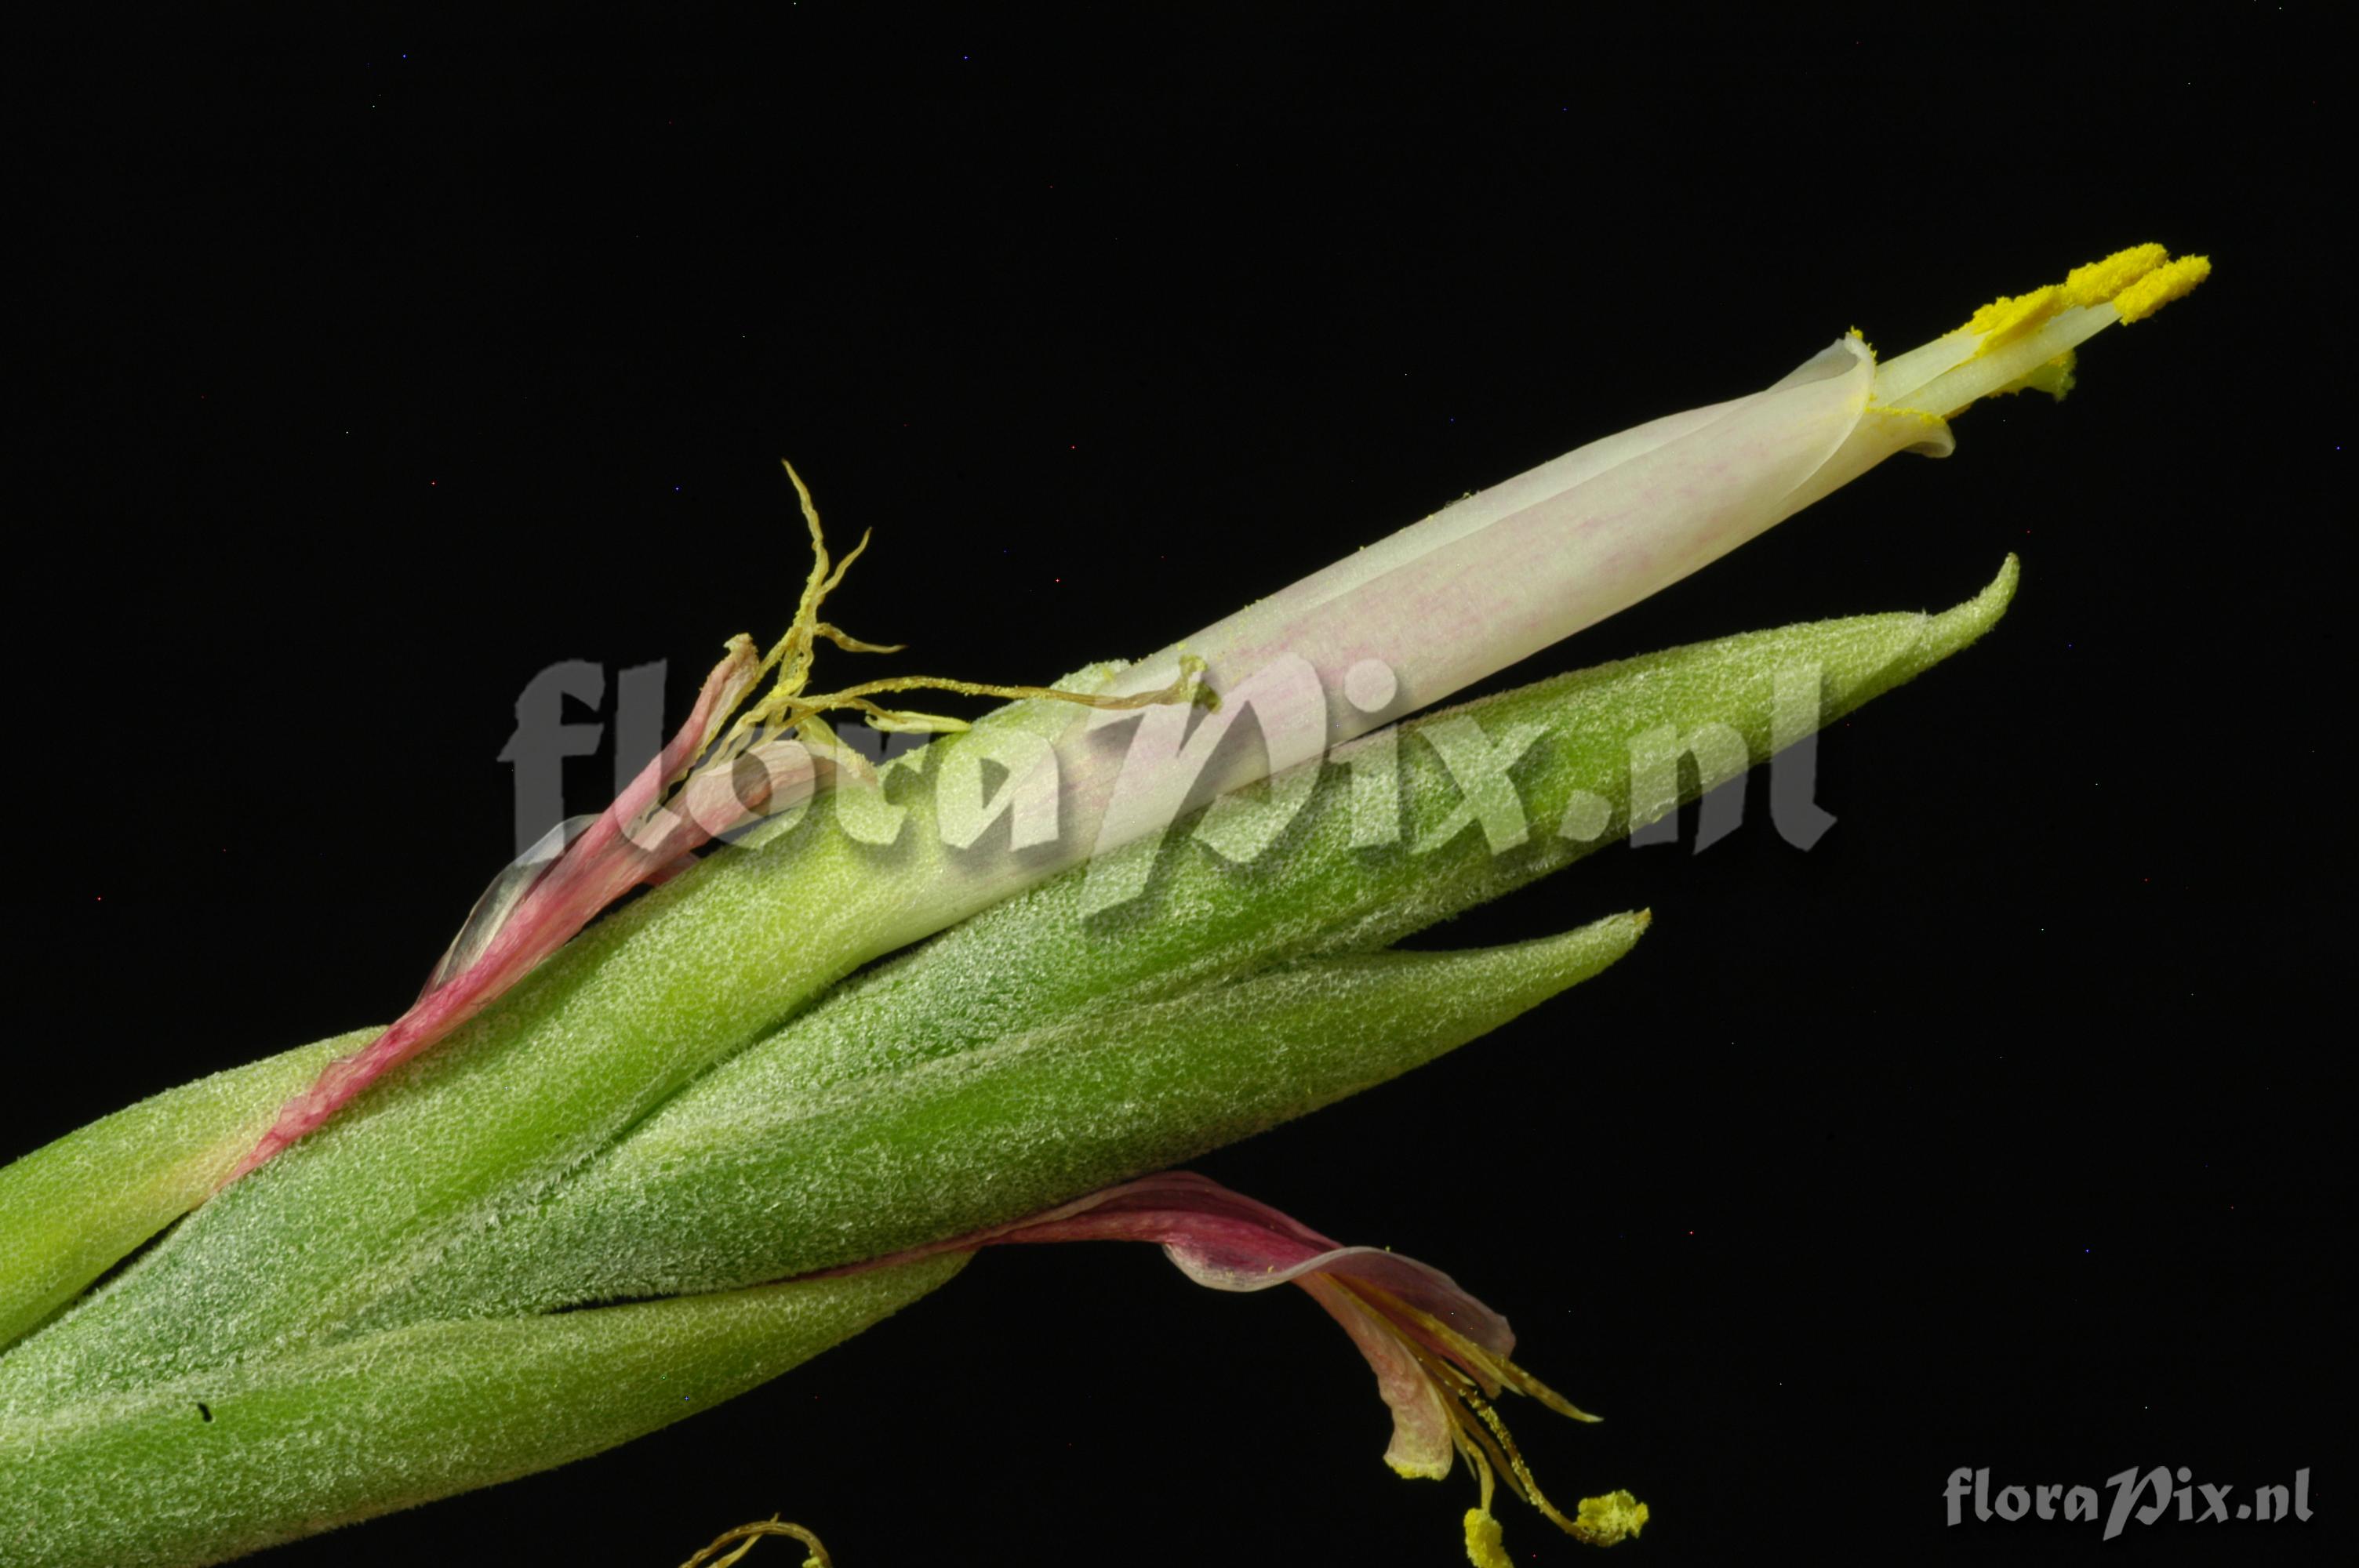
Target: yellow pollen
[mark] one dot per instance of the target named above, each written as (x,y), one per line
(2005,319)
(2054,377)
(1487,1544)
(2100,280)
(2160,287)
(2139,282)
(1603,1521)
(1931,421)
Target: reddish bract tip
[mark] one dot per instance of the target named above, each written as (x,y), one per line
(636,839)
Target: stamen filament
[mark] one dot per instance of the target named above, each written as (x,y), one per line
(1952,391)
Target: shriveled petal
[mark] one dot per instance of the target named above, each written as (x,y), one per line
(1227,1241)
(1421,1445)
(1218,1237)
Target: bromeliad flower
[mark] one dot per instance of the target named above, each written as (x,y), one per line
(1441,1356)
(682,1105)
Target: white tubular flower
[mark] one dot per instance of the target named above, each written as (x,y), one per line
(1504,573)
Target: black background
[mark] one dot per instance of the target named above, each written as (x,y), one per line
(358,383)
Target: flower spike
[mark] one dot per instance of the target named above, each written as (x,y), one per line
(1441,1356)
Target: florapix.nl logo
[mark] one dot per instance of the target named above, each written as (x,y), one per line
(1175,767)
(2147,1497)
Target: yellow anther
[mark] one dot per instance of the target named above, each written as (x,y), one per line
(2160,287)
(1486,1545)
(2024,342)
(2005,319)
(1603,1521)
(2100,280)
(2139,282)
